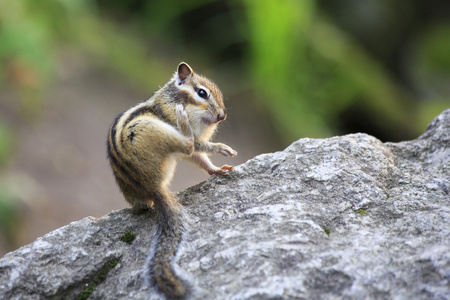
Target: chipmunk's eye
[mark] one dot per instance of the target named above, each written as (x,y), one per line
(202,93)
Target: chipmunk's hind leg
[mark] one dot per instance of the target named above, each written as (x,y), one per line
(150,152)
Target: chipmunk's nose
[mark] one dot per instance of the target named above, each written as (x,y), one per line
(221,116)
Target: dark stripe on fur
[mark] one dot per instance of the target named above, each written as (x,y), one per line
(117,162)
(112,134)
(180,96)
(157,110)
(172,93)
(138,112)
(125,171)
(186,98)
(154,109)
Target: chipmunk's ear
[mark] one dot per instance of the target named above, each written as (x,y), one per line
(184,72)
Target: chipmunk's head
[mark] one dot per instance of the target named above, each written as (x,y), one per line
(202,99)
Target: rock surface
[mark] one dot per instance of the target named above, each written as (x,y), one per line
(340,218)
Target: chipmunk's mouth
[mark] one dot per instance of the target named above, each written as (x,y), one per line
(208,121)
(214,119)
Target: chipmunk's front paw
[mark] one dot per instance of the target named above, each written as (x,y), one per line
(225,150)
(190,146)
(224,170)
(183,120)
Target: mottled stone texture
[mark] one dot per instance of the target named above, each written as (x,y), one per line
(340,218)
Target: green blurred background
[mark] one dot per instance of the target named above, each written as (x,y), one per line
(288,69)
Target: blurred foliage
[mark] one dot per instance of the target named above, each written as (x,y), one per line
(29,42)
(434,49)
(35,34)
(320,68)
(8,218)
(6,144)
(8,209)
(315,70)
(280,62)
(317,66)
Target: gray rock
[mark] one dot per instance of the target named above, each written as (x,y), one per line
(340,218)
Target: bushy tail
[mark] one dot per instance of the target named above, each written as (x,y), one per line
(167,240)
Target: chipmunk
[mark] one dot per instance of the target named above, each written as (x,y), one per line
(143,146)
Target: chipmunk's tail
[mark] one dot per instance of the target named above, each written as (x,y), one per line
(166,242)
